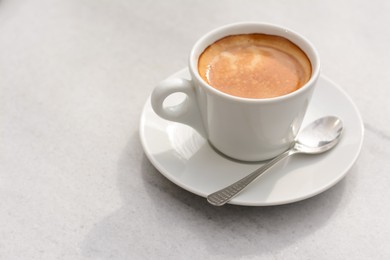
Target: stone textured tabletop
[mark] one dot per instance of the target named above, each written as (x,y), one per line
(74,180)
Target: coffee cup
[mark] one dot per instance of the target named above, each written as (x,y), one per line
(231,68)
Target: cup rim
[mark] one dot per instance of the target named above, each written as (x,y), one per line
(249,27)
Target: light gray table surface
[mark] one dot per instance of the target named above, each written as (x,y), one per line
(74,180)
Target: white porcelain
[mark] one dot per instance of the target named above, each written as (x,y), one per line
(187,159)
(241,128)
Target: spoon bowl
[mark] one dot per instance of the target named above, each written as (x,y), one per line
(319,136)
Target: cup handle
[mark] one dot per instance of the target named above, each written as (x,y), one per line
(187,112)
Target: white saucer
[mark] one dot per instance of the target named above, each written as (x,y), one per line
(187,159)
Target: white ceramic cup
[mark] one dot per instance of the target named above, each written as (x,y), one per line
(242,128)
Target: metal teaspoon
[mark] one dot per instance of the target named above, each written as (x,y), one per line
(318,137)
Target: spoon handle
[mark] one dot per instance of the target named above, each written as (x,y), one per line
(224,195)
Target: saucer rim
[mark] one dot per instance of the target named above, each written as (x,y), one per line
(237,201)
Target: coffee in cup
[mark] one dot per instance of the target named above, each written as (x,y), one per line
(248,89)
(254,66)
